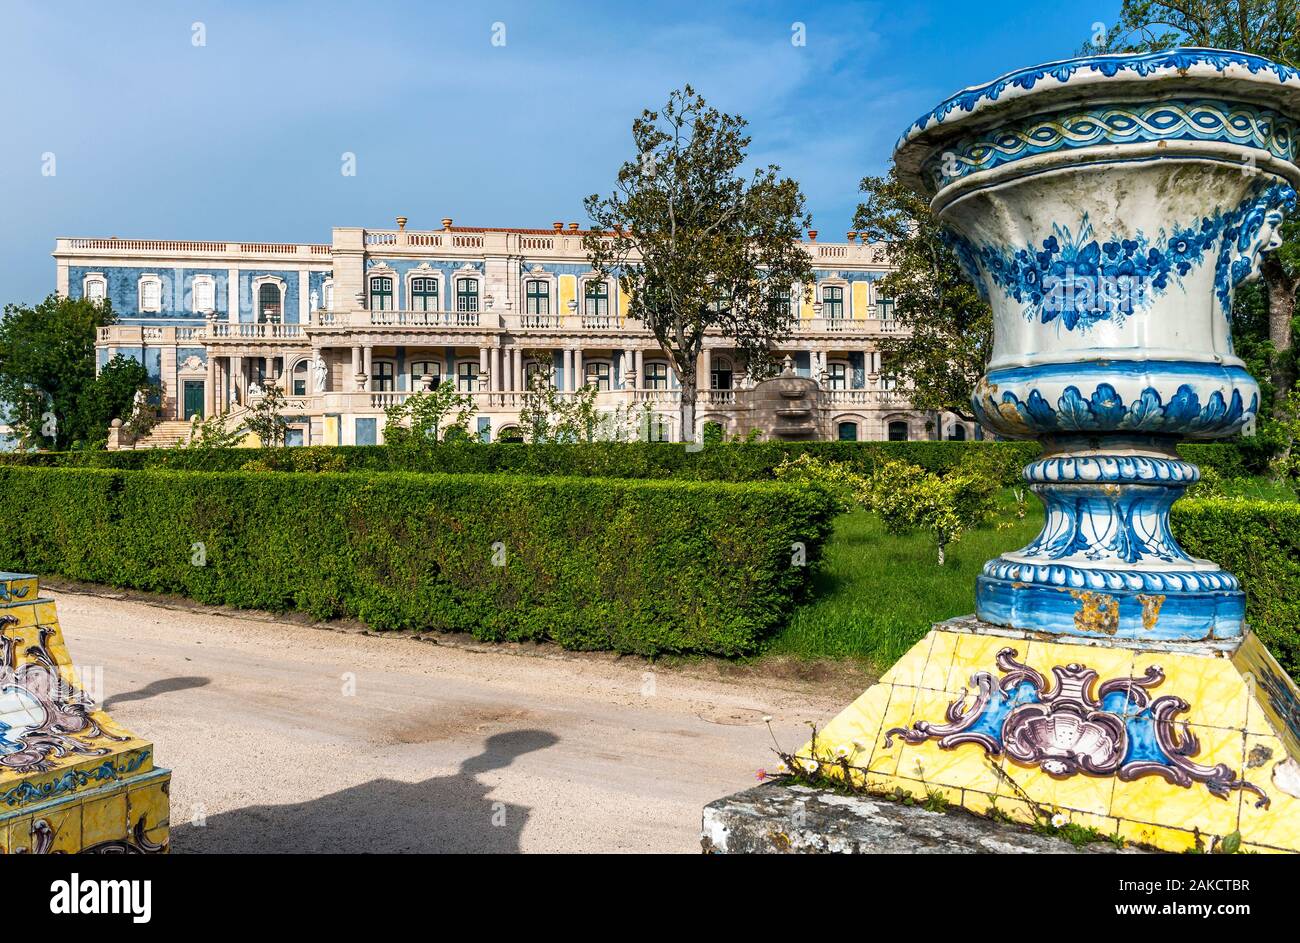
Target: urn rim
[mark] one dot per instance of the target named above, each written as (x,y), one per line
(1186,70)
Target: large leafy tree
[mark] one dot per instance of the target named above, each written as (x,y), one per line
(697,244)
(47,373)
(1266,27)
(949,335)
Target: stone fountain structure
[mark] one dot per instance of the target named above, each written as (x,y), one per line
(1107,207)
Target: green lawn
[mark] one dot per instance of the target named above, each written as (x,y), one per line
(878,594)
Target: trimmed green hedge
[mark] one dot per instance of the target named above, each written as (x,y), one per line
(644,567)
(1258,542)
(725,462)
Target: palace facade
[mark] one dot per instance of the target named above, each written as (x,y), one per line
(350,327)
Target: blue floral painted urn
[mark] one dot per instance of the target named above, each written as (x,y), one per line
(1107,207)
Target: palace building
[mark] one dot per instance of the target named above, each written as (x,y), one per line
(350,327)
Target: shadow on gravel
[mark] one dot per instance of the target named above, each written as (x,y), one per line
(154,688)
(443,814)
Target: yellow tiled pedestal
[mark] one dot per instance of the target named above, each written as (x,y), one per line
(1162,747)
(71,780)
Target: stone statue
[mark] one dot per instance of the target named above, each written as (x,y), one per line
(321,372)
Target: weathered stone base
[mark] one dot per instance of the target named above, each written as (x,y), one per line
(784,818)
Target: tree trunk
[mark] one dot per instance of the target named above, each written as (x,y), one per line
(689,395)
(1281,308)
(940,554)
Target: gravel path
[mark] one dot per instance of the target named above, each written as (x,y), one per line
(284,737)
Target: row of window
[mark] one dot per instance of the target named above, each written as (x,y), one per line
(537,297)
(269,293)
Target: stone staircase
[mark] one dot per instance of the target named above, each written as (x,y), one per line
(164,435)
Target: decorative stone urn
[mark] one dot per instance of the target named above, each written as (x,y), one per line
(1108,207)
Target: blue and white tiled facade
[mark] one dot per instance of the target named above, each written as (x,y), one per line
(350,327)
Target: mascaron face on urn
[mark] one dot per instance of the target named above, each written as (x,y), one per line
(1108,207)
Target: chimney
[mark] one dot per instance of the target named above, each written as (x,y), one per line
(446,222)
(401,224)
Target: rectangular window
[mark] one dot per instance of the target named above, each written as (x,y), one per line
(366,431)
(381,294)
(885,309)
(597,300)
(656,375)
(424,294)
(537,297)
(839,376)
(151,295)
(467,376)
(597,375)
(833,302)
(204,295)
(467,294)
(779,303)
(95,289)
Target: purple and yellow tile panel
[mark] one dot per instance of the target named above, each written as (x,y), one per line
(1166,749)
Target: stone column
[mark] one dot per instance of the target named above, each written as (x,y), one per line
(517,368)
(484,365)
(705,380)
(367,365)
(498,371)
(568,370)
(578,378)
(638,360)
(237,378)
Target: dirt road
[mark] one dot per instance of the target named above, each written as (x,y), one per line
(284,737)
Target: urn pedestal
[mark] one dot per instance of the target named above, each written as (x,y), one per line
(1107,207)
(71,780)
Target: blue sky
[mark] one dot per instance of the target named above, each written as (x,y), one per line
(242,138)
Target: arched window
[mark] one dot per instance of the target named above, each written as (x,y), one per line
(898,431)
(596,299)
(467,294)
(597,374)
(150,294)
(833,302)
(509,434)
(381,293)
(958,433)
(848,432)
(656,375)
(424,294)
(425,368)
(839,376)
(467,376)
(720,374)
(537,296)
(300,370)
(381,381)
(94,287)
(268,303)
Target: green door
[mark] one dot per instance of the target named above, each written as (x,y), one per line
(193,398)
